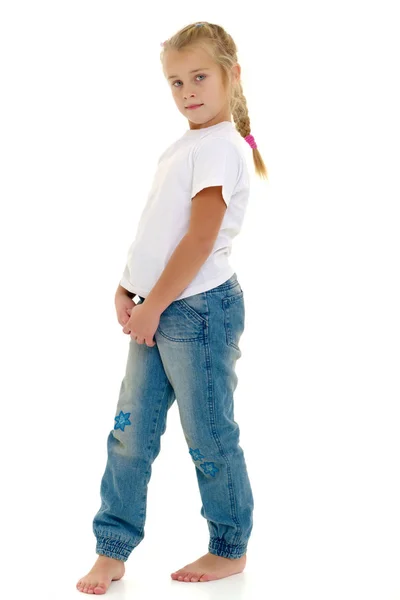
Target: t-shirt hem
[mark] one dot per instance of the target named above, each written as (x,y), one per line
(126,284)
(191,290)
(207,285)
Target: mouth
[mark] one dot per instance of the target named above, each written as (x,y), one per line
(192,106)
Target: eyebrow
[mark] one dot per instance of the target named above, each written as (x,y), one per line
(194,71)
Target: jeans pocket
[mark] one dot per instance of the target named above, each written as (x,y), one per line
(194,307)
(185,320)
(234,318)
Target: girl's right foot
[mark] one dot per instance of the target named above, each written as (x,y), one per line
(104,571)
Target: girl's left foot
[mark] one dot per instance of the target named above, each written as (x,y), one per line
(210,567)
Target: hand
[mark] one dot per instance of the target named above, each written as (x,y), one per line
(142,324)
(123,305)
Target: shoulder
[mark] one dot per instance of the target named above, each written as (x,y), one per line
(219,146)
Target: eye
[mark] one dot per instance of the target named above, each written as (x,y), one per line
(179,79)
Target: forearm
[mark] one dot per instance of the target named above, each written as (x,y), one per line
(184,263)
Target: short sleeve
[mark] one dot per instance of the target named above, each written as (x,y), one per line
(217,161)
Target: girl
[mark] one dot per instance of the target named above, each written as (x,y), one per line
(191,302)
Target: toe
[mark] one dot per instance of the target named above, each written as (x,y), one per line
(204,577)
(195,577)
(176,573)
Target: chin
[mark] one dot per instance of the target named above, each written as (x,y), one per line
(199,120)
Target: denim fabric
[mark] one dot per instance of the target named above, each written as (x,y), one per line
(193,361)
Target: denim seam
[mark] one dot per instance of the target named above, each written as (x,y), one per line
(222,288)
(191,313)
(211,405)
(183,341)
(151,442)
(156,421)
(226,304)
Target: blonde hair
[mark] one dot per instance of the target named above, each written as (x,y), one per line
(222,49)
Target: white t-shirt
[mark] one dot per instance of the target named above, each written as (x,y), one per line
(200,158)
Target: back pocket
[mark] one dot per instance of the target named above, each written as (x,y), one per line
(234,318)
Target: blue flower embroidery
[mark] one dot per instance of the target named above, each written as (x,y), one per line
(195,454)
(209,468)
(121,420)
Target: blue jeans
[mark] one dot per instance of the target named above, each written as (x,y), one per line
(193,360)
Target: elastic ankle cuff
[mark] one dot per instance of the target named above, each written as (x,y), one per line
(221,548)
(113,548)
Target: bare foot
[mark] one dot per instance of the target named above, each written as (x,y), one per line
(104,571)
(210,567)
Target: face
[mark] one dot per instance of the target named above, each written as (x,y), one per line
(205,86)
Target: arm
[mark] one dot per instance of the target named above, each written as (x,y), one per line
(208,210)
(181,268)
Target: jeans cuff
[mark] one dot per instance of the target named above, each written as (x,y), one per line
(221,548)
(113,548)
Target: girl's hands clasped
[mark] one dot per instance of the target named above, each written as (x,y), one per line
(142,324)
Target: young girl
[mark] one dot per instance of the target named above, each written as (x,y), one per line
(191,302)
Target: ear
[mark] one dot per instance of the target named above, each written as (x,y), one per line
(236,70)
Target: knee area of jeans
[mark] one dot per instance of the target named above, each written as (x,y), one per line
(125,445)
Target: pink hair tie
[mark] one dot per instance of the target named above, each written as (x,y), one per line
(250,140)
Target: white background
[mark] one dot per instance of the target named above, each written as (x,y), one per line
(85,114)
